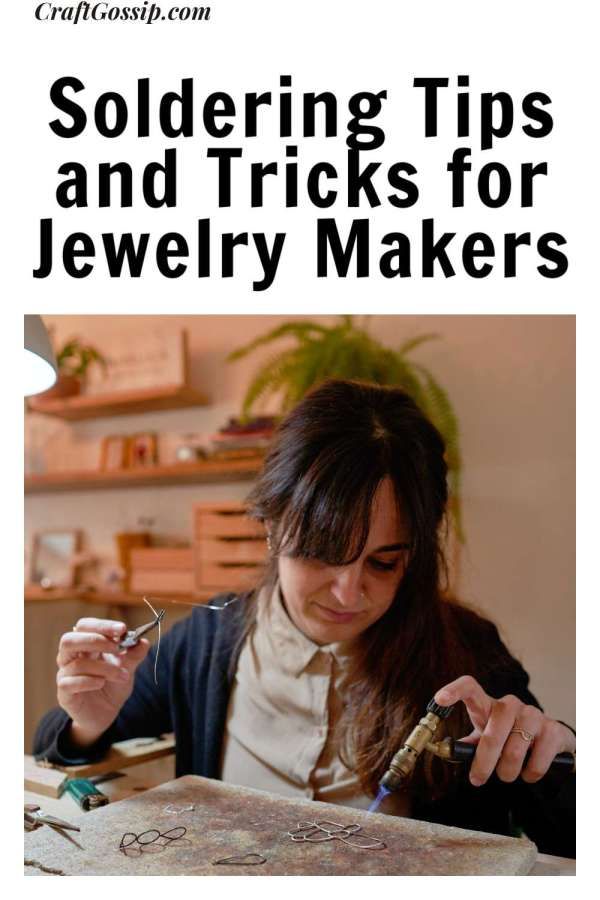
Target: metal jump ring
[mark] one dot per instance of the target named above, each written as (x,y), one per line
(337,828)
(128,834)
(174,837)
(302,834)
(152,840)
(375,844)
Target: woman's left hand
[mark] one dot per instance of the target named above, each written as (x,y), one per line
(505,730)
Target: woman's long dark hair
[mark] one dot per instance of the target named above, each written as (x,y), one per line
(316,490)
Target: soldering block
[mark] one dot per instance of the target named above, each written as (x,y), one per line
(227,820)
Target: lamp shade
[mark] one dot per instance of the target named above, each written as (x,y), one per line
(40,362)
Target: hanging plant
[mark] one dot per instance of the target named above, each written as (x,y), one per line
(347,351)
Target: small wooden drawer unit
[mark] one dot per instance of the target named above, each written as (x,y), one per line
(230,548)
(166,570)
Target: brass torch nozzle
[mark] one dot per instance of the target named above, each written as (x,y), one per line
(405,760)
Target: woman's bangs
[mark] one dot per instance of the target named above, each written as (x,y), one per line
(330,514)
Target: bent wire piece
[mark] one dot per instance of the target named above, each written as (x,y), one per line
(149,837)
(319,832)
(219,606)
(249,859)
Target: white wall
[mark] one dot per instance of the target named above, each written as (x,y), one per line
(512,381)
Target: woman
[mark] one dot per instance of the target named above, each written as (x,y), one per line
(308,686)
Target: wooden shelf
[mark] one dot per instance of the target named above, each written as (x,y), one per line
(35,594)
(204,472)
(121,403)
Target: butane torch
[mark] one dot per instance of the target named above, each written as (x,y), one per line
(421,738)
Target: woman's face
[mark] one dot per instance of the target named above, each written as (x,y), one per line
(337,603)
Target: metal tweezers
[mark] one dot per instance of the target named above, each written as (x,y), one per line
(34,817)
(133,637)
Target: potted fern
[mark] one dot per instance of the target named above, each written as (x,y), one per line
(346,350)
(73,361)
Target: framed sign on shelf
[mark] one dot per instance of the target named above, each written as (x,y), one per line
(142,450)
(113,452)
(158,357)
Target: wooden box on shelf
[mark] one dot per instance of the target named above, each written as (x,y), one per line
(230,549)
(162,570)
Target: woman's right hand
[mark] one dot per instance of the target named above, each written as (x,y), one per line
(94,677)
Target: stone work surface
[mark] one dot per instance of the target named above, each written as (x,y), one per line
(231,821)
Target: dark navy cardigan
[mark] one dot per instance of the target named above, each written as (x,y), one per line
(195,673)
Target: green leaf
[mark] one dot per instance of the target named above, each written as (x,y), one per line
(300,330)
(266,381)
(74,357)
(415,342)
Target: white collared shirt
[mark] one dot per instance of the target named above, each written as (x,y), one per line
(285,705)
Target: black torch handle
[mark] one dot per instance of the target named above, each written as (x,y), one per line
(463,752)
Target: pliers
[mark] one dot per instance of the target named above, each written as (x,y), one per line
(132,637)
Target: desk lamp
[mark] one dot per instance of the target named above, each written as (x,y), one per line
(40,362)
